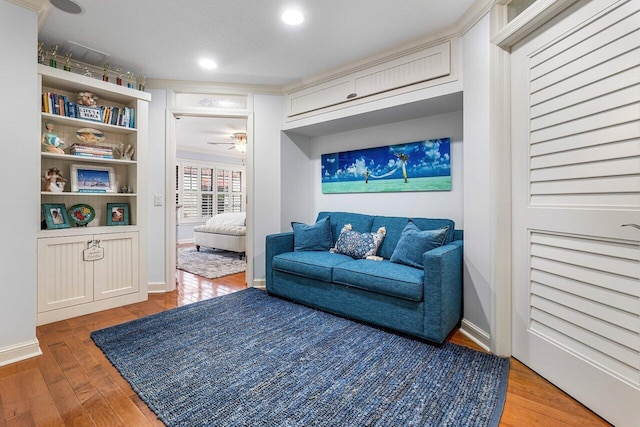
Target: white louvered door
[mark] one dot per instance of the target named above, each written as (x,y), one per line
(576,182)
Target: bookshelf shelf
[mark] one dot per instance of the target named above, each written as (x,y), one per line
(81,123)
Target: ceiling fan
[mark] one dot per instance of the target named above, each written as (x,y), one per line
(239,142)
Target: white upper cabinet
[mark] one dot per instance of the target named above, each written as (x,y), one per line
(426,64)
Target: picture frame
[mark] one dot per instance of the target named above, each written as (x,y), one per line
(55,215)
(93,179)
(118,214)
(407,167)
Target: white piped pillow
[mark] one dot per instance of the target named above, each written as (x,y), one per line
(230,218)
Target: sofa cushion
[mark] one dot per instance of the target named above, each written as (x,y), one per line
(415,242)
(358,245)
(315,265)
(316,237)
(382,277)
(395,226)
(359,222)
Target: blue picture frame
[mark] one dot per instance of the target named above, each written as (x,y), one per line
(414,166)
(55,215)
(117,213)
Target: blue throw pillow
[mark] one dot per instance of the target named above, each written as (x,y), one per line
(415,242)
(316,237)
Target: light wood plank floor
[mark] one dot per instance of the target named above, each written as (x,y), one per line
(73,384)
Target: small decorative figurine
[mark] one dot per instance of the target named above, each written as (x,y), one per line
(54,181)
(130,77)
(119,73)
(87,99)
(143,82)
(125,153)
(67,61)
(41,53)
(54,53)
(50,141)
(105,73)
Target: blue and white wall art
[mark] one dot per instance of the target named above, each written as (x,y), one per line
(414,166)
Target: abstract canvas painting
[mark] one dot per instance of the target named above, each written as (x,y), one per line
(414,166)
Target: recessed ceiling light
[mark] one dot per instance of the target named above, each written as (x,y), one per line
(292,17)
(68,6)
(207,63)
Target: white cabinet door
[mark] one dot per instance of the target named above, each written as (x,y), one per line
(64,278)
(117,273)
(575,87)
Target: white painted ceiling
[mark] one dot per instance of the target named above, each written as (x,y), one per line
(165,38)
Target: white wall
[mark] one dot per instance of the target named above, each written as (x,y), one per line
(20,218)
(297,179)
(156,220)
(433,204)
(477,251)
(268,111)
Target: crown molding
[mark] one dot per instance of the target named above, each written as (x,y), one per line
(34,5)
(212,87)
(531,18)
(474,14)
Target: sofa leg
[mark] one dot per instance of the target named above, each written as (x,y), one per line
(197,248)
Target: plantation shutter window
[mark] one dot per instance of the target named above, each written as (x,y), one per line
(207,189)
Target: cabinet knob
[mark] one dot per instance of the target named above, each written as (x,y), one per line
(352,95)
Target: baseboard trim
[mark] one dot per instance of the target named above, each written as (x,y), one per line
(185,241)
(260,283)
(476,334)
(157,288)
(18,352)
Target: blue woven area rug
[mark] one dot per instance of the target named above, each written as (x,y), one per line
(248,359)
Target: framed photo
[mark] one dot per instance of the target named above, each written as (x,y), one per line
(89,113)
(55,215)
(93,179)
(117,213)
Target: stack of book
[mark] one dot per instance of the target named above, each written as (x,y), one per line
(86,150)
(53,103)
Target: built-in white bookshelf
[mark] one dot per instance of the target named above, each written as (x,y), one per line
(86,268)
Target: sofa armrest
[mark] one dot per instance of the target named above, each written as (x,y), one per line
(276,244)
(442,289)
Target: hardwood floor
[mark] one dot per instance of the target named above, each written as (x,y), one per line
(73,384)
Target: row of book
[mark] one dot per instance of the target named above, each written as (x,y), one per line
(53,103)
(85,150)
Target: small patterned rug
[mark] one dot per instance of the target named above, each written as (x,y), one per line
(249,359)
(210,263)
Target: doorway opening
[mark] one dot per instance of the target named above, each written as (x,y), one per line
(207,179)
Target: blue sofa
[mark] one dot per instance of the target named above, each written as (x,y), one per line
(425,302)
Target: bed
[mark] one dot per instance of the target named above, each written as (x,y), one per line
(226,231)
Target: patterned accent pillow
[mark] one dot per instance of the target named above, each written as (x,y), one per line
(358,245)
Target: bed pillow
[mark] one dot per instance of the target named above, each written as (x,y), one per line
(414,243)
(316,237)
(229,218)
(358,245)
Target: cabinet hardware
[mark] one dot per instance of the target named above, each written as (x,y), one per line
(352,95)
(631,225)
